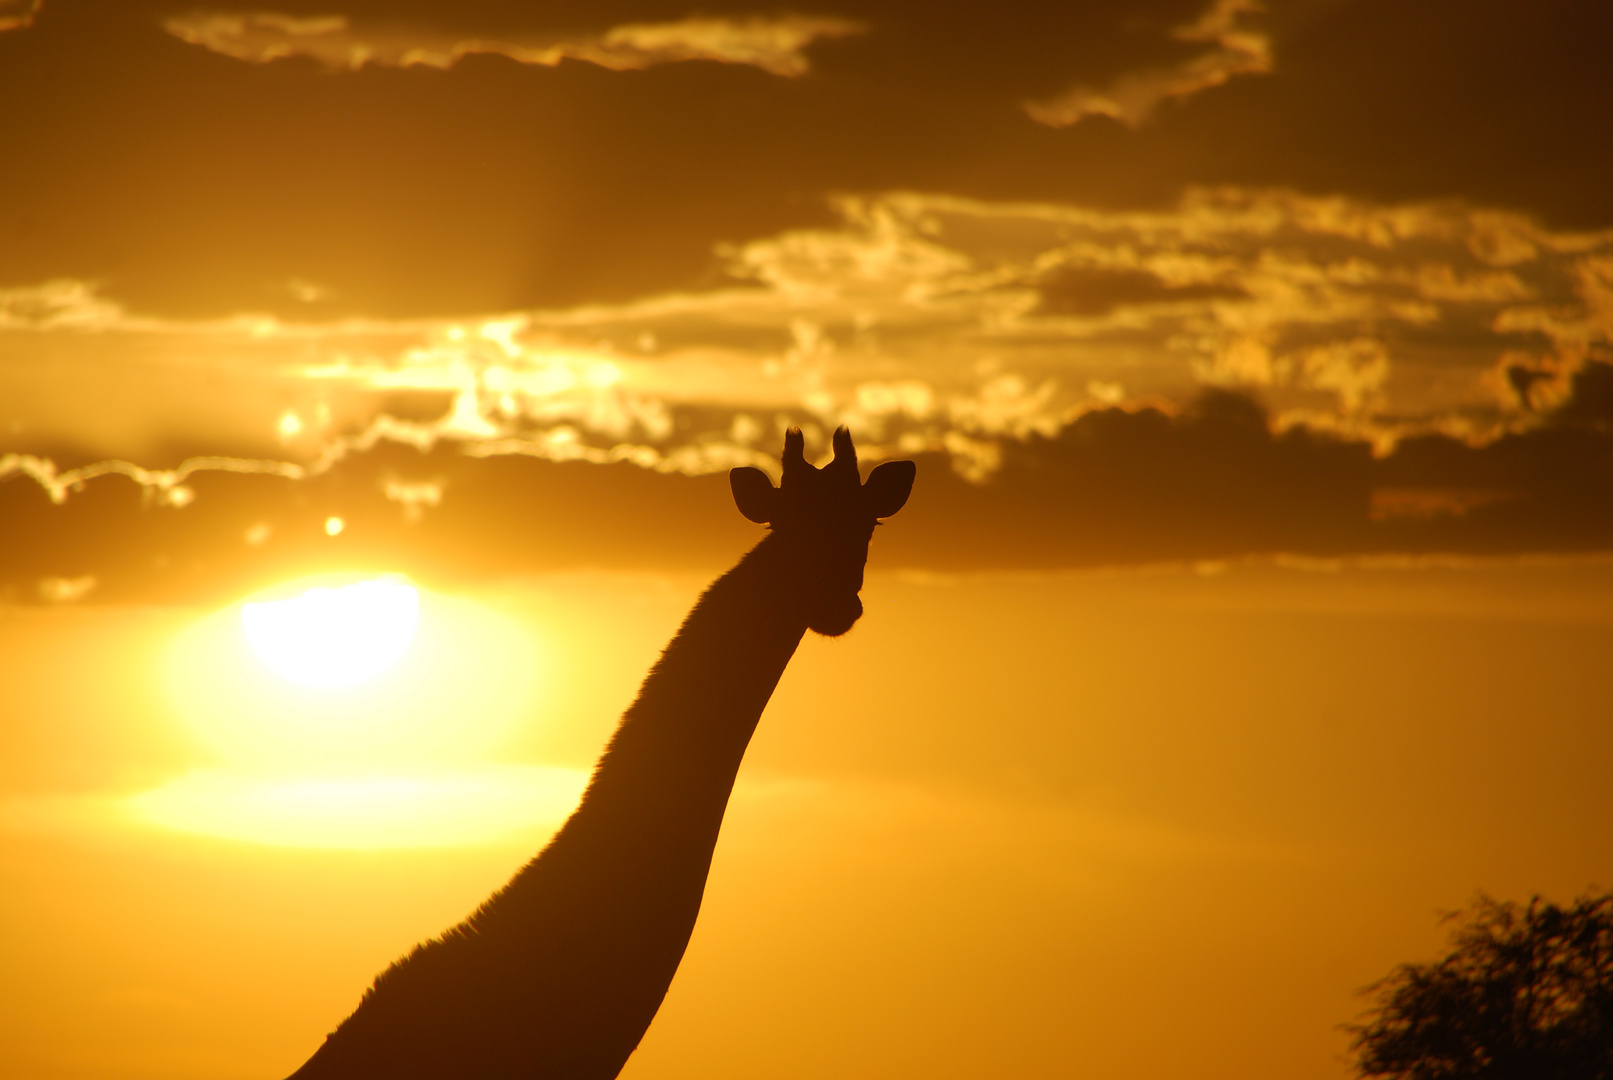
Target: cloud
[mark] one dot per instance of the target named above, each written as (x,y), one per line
(1233,49)
(1215,481)
(1218,480)
(775,44)
(502,186)
(1356,370)
(55,590)
(1089,290)
(164,487)
(59,305)
(928,323)
(18,14)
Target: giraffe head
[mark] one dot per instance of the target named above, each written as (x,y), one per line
(825,517)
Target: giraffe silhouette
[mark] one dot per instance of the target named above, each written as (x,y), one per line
(559,974)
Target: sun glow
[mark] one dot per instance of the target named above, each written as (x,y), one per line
(331,675)
(334,637)
(358,714)
(391,810)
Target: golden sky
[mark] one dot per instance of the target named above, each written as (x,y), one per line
(260,257)
(1257,358)
(1140,824)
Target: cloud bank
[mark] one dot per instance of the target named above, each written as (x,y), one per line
(929,324)
(1113,487)
(775,44)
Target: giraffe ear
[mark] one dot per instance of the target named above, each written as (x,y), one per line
(754,494)
(888,487)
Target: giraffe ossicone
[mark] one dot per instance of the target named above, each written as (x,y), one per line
(559,973)
(808,492)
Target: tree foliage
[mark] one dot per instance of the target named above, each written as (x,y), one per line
(1526,993)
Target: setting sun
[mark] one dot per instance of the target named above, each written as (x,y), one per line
(352,677)
(355,714)
(337,637)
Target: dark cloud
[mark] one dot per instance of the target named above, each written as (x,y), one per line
(1490,102)
(492,518)
(1591,403)
(197,184)
(1114,487)
(1121,487)
(1089,291)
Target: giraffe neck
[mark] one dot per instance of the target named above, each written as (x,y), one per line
(561,972)
(650,817)
(680,743)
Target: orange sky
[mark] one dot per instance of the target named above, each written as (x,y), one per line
(1004,827)
(1257,359)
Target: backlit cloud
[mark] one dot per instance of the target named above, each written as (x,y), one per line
(927,323)
(1231,48)
(1074,382)
(1206,484)
(776,44)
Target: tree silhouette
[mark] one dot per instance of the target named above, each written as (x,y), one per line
(1526,993)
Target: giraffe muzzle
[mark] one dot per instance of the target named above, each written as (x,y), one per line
(832,620)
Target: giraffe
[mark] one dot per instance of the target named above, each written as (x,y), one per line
(559,974)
